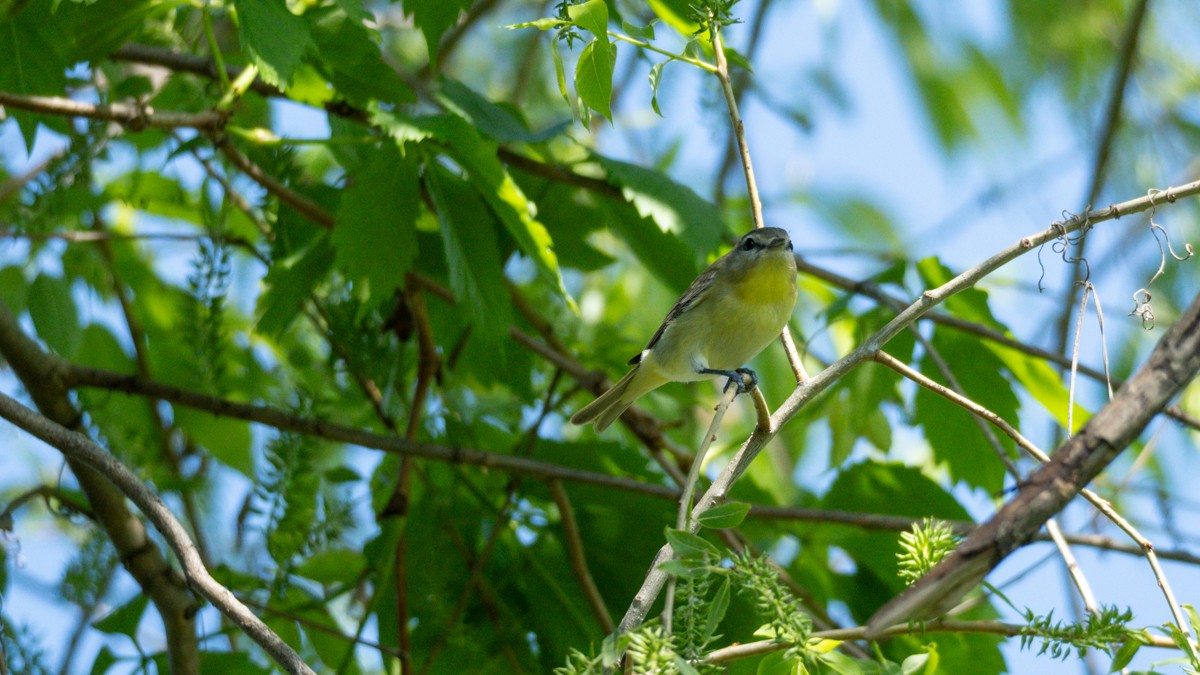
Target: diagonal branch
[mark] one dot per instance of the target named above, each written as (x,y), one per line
(809,389)
(82,449)
(1172,364)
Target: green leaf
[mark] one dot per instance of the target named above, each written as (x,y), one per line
(54,315)
(469,240)
(675,207)
(14,288)
(500,123)
(665,255)
(489,177)
(953,433)
(684,568)
(124,620)
(351,60)
(98,348)
(435,17)
(289,283)
(591,16)
(277,39)
(631,30)
(560,74)
(104,660)
(724,516)
(375,237)
(225,438)
(593,76)
(779,663)
(655,78)
(690,546)
(716,610)
(339,566)
(1125,654)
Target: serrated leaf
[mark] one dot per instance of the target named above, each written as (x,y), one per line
(492,181)
(665,255)
(434,18)
(103,660)
(289,283)
(779,663)
(476,270)
(277,39)
(690,546)
(352,61)
(124,620)
(591,16)
(593,76)
(724,516)
(953,433)
(497,122)
(375,237)
(675,207)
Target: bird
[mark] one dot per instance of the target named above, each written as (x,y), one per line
(729,314)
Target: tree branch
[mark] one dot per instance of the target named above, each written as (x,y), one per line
(806,391)
(81,449)
(133,117)
(1172,364)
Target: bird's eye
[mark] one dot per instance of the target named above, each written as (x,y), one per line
(748,245)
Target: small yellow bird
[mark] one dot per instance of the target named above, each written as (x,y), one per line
(729,314)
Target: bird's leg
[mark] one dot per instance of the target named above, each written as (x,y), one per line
(735,377)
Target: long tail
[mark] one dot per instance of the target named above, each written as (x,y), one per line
(608,406)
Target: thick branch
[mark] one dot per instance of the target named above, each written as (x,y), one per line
(141,558)
(806,391)
(81,449)
(1171,366)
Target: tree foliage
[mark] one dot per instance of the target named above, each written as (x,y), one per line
(330,277)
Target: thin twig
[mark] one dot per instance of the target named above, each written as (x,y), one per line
(131,116)
(73,375)
(1080,581)
(1096,500)
(875,292)
(761,647)
(689,487)
(303,205)
(574,545)
(739,133)
(1127,55)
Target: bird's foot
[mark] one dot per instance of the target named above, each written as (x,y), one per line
(743,378)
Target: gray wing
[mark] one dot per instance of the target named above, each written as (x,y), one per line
(689,298)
